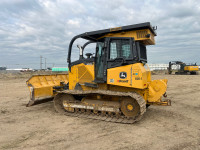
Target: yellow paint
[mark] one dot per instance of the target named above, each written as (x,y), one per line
(81,73)
(115,29)
(191,68)
(156,89)
(138,35)
(130,107)
(137,76)
(138,80)
(41,86)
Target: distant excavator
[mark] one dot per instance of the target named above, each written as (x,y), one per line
(182,68)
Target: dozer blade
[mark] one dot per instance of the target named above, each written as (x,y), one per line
(41,86)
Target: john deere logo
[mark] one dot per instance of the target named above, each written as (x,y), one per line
(122,75)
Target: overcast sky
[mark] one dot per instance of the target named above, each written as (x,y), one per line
(30,28)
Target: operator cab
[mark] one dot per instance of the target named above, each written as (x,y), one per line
(116,52)
(115,47)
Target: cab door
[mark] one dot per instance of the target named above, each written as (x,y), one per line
(100,63)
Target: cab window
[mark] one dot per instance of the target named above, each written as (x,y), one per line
(120,48)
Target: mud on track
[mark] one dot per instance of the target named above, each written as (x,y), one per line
(40,127)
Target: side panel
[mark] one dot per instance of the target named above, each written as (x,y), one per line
(135,76)
(81,73)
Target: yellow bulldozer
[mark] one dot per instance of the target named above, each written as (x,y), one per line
(113,84)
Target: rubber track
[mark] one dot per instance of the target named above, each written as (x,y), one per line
(106,117)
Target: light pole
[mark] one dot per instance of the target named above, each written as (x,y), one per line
(40,62)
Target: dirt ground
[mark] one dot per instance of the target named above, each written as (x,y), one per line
(40,127)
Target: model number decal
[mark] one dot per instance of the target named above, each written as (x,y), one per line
(138,78)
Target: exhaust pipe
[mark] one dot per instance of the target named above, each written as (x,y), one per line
(80,51)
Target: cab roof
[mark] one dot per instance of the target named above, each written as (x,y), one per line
(94,35)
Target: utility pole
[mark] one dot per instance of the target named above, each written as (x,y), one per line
(45,59)
(40,62)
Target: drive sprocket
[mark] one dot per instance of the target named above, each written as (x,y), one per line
(130,107)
